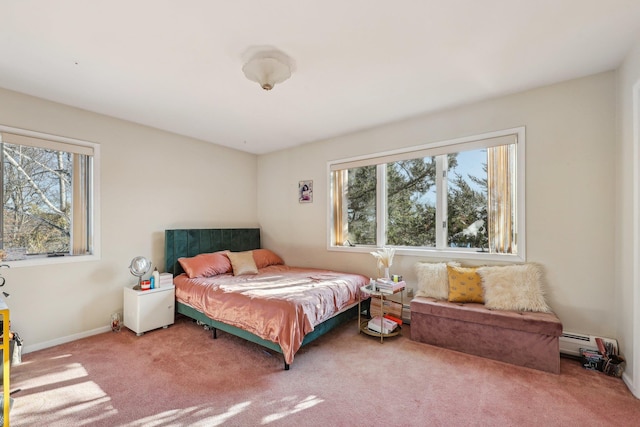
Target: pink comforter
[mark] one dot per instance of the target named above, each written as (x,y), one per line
(280,304)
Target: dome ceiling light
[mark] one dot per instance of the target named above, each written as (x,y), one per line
(268,68)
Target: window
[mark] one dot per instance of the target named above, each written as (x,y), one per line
(454,198)
(48,195)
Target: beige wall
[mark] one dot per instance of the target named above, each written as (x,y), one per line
(151,180)
(627,308)
(570,190)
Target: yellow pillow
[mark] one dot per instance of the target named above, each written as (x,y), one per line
(465,285)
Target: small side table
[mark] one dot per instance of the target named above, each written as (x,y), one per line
(363,325)
(150,309)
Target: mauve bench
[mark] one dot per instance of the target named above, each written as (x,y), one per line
(529,339)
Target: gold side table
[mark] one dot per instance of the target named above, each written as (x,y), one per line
(363,324)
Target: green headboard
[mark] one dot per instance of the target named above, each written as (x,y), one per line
(191,242)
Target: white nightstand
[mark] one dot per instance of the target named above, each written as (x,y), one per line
(147,310)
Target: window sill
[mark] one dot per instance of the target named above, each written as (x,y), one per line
(445,254)
(36,260)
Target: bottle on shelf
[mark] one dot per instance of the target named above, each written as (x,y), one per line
(155,276)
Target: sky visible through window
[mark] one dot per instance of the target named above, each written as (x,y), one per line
(471,163)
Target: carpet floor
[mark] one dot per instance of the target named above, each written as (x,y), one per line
(180,376)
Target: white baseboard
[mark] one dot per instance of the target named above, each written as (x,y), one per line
(629,382)
(63,340)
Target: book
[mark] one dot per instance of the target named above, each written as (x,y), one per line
(611,364)
(393,319)
(592,359)
(381,325)
(388,286)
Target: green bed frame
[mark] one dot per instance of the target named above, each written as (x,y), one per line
(191,242)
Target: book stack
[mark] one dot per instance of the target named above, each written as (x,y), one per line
(393,319)
(591,359)
(605,359)
(382,325)
(166,279)
(389,286)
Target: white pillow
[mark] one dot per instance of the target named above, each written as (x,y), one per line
(514,287)
(433,279)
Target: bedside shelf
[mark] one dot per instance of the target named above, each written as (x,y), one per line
(363,325)
(365,330)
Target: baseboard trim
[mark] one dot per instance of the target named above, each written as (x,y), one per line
(629,382)
(63,340)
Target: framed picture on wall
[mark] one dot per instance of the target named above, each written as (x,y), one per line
(305,192)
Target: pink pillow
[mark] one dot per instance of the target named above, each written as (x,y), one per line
(206,265)
(264,258)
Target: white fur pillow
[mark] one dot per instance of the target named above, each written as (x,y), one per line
(514,287)
(433,279)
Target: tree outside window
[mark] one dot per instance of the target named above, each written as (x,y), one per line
(462,198)
(46,188)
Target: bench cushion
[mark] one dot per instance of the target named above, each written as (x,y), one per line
(520,338)
(534,322)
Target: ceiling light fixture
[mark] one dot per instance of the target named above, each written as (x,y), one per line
(268,68)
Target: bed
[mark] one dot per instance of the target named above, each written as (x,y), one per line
(279,307)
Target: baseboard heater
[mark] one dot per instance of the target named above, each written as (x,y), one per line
(571,343)
(406,313)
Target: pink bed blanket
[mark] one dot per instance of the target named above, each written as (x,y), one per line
(280,304)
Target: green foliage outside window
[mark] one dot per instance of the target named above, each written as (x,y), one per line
(361,205)
(411,205)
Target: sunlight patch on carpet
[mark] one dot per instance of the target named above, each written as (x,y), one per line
(231,412)
(69,372)
(306,403)
(193,416)
(72,402)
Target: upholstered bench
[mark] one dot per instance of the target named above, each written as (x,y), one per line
(524,338)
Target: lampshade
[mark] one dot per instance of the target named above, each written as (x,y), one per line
(267,70)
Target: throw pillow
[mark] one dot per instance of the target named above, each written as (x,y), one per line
(465,285)
(242,263)
(514,287)
(205,265)
(265,258)
(433,280)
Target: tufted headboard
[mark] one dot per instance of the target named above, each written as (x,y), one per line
(191,242)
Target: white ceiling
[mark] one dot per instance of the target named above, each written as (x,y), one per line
(177,65)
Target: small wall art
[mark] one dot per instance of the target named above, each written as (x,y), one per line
(305,192)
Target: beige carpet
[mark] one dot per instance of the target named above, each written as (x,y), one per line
(180,376)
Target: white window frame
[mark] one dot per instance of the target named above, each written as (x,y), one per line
(447,253)
(94,220)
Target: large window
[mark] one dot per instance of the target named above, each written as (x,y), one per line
(47,188)
(455,198)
